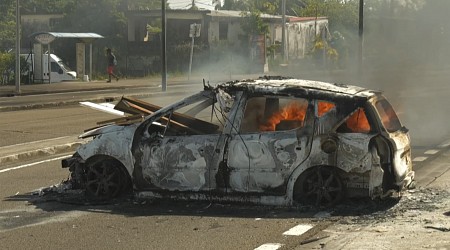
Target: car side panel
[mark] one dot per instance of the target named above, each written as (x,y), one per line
(179,163)
(263,162)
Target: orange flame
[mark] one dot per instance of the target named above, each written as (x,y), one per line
(358,122)
(324,107)
(293,111)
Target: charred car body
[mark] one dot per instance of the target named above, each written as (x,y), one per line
(272,141)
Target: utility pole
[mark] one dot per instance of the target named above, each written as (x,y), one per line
(283,30)
(163,47)
(361,37)
(17,47)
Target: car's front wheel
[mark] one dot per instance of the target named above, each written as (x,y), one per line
(105,179)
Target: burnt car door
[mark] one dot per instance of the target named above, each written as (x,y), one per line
(176,148)
(354,154)
(273,136)
(399,141)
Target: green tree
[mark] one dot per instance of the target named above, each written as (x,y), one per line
(340,14)
(7,25)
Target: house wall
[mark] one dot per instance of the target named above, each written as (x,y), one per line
(300,36)
(233,31)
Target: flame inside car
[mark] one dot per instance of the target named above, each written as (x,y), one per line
(293,114)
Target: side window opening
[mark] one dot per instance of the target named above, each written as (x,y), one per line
(265,114)
(324,107)
(355,123)
(205,116)
(326,114)
(54,67)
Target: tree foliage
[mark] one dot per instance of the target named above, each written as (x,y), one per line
(263,6)
(7,25)
(252,23)
(341,14)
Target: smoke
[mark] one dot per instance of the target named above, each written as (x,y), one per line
(406,55)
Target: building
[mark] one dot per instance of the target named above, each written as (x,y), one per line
(221,37)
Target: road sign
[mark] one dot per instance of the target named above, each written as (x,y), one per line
(195,29)
(44,38)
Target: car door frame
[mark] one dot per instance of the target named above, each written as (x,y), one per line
(301,140)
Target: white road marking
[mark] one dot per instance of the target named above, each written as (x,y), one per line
(269,246)
(420,158)
(37,142)
(34,163)
(444,144)
(431,152)
(298,230)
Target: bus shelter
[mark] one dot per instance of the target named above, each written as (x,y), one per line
(46,38)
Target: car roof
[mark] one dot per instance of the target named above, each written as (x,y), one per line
(283,85)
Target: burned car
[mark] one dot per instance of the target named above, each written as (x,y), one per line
(272,140)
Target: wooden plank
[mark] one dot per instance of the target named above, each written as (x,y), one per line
(132,105)
(121,119)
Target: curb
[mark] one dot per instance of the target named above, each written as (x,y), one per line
(47,151)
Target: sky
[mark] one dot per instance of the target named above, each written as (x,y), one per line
(184,4)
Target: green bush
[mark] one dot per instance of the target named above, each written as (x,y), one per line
(7,66)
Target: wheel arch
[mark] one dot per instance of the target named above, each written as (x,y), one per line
(101,157)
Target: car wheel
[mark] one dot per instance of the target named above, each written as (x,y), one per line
(105,179)
(320,186)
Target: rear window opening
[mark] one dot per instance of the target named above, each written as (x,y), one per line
(356,123)
(388,116)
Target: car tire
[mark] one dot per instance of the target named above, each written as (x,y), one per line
(319,186)
(105,179)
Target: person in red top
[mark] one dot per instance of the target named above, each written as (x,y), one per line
(112,62)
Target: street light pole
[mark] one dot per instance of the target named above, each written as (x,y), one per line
(361,37)
(163,47)
(17,73)
(283,30)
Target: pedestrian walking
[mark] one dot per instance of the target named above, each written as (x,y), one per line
(112,62)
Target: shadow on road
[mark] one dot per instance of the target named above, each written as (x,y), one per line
(132,207)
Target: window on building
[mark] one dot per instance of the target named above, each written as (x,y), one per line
(223,31)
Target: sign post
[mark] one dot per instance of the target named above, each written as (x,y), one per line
(194,31)
(17,72)
(45,38)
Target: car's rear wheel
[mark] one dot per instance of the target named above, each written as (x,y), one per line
(319,186)
(105,179)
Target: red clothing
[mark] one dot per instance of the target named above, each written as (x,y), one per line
(110,69)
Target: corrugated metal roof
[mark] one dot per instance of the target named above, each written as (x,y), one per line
(236,13)
(304,19)
(70,35)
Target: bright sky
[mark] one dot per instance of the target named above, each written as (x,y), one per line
(184,4)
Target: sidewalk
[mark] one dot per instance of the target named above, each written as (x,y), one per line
(73,86)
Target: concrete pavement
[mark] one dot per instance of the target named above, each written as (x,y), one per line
(74,86)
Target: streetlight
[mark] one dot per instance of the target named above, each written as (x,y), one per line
(283,30)
(361,37)
(17,47)
(163,47)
